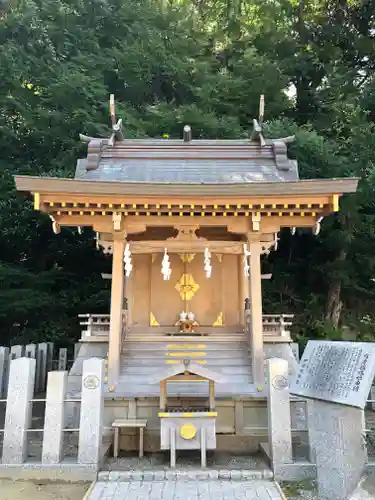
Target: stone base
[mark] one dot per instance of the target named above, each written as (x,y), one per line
(241,423)
(69,472)
(129,441)
(184,474)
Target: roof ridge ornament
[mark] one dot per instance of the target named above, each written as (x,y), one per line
(94,153)
(117,134)
(280,152)
(257,133)
(96,145)
(187,133)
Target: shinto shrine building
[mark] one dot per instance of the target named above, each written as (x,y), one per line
(187,222)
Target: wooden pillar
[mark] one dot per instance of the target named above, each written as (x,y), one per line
(243,282)
(129,295)
(117,297)
(163,395)
(212,395)
(255,282)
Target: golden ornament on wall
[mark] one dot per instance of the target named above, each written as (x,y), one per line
(187,257)
(187,287)
(153,321)
(219,320)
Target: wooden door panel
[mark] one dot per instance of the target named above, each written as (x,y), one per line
(166,302)
(139,287)
(231,300)
(206,302)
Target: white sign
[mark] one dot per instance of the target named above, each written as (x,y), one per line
(339,372)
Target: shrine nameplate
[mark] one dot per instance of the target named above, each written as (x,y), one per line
(339,372)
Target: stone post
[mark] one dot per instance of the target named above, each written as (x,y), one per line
(18,410)
(77,347)
(41,365)
(30,351)
(336,434)
(372,398)
(92,408)
(295,351)
(117,292)
(312,438)
(4,370)
(255,281)
(279,420)
(16,351)
(50,350)
(63,359)
(54,418)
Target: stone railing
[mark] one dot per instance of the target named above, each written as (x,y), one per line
(47,358)
(46,437)
(96,326)
(277,325)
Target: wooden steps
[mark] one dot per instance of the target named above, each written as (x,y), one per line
(144,355)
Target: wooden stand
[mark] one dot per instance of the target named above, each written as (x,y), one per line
(125,423)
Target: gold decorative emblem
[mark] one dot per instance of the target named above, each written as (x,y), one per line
(219,320)
(188,431)
(219,257)
(187,287)
(187,257)
(153,321)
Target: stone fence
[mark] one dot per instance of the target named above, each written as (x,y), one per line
(64,452)
(46,361)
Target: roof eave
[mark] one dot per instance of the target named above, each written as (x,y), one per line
(79,186)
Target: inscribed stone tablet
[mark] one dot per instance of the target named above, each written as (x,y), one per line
(340,372)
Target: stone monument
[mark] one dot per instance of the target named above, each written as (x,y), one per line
(337,377)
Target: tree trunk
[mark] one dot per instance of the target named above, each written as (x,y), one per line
(334,302)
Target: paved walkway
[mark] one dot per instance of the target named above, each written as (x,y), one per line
(185,490)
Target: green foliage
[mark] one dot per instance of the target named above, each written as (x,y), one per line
(170,63)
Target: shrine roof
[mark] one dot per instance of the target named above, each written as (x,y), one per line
(195,162)
(181,368)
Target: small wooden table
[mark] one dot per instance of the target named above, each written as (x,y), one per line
(127,423)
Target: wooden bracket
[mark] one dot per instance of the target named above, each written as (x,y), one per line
(36,201)
(335,203)
(255,219)
(117,218)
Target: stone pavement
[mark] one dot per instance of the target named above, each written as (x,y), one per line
(185,490)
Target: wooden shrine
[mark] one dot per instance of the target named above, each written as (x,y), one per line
(186,222)
(187,428)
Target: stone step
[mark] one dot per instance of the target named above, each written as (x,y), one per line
(161,340)
(143,378)
(210,363)
(226,336)
(194,346)
(183,353)
(127,369)
(126,390)
(185,474)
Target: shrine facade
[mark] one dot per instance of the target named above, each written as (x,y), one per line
(187,223)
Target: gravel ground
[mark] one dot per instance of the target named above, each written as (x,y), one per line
(19,490)
(300,490)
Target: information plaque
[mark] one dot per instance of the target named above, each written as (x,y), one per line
(339,372)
